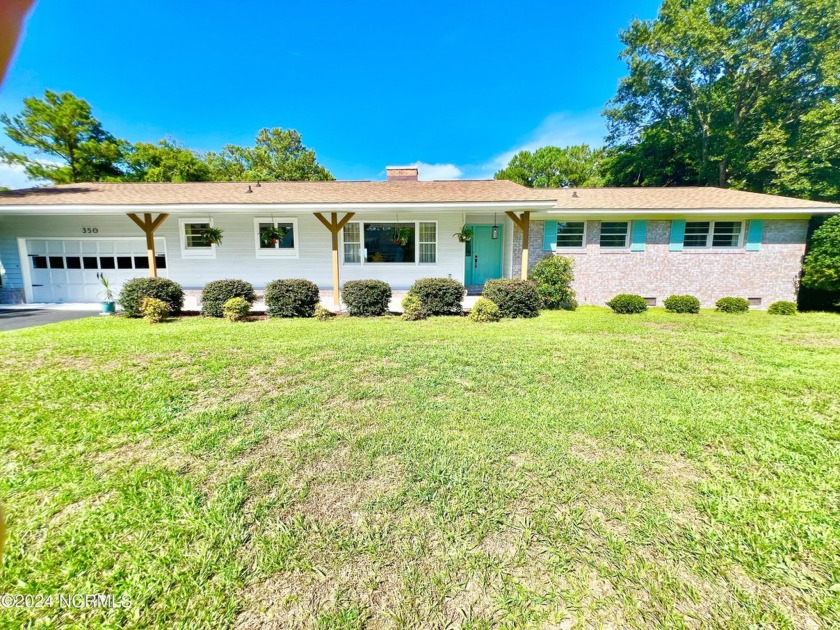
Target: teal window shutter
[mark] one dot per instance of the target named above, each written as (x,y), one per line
(639,236)
(754,233)
(549,234)
(677,235)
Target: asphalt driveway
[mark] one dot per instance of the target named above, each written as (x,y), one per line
(14,318)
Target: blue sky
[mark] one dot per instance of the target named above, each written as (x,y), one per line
(455,86)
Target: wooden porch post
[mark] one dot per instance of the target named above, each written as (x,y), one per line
(524,224)
(149,228)
(334,225)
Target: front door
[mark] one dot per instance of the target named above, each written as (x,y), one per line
(483,260)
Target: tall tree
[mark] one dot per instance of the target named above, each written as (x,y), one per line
(72,143)
(555,167)
(165,161)
(278,155)
(822,264)
(741,93)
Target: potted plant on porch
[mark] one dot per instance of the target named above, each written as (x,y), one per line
(108,305)
(270,236)
(401,236)
(465,235)
(212,235)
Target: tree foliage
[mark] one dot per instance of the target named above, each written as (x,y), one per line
(63,143)
(741,93)
(555,167)
(165,161)
(62,131)
(278,155)
(822,264)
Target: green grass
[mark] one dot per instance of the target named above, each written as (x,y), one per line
(573,470)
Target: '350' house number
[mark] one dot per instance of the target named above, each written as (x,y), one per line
(90,230)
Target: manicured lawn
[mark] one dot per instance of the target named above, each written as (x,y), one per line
(573,470)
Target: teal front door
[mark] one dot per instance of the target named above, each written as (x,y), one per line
(483,260)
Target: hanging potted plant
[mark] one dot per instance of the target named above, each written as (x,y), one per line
(270,236)
(212,235)
(465,235)
(401,236)
(108,306)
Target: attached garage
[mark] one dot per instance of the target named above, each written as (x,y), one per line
(69,270)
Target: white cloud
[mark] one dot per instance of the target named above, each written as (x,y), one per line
(428,172)
(558,130)
(13,176)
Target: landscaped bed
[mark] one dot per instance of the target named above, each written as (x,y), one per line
(588,467)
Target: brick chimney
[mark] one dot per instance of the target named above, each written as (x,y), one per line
(401,173)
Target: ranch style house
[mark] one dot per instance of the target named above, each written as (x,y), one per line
(56,242)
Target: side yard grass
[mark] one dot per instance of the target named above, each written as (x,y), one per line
(574,470)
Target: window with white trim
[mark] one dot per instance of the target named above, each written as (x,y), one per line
(428,242)
(716,234)
(571,233)
(615,234)
(403,242)
(276,237)
(352,244)
(193,242)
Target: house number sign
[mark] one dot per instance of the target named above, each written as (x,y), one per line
(90,230)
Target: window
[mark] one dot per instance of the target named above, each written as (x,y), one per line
(725,234)
(571,233)
(90,262)
(352,244)
(56,262)
(412,242)
(614,233)
(193,244)
(276,237)
(428,242)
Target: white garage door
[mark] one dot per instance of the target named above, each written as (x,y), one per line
(69,270)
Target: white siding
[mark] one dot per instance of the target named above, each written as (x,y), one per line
(236,257)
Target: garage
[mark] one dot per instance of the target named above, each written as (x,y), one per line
(69,270)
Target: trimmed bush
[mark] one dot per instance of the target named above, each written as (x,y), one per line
(628,304)
(485,310)
(732,305)
(413,309)
(216,294)
(515,298)
(682,304)
(322,313)
(236,309)
(439,296)
(291,298)
(782,307)
(554,276)
(163,289)
(154,310)
(366,298)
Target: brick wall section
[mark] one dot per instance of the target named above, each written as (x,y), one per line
(770,274)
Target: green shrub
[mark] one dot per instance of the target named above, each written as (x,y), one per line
(154,310)
(216,294)
(439,296)
(366,298)
(236,309)
(413,308)
(554,276)
(291,298)
(682,304)
(485,310)
(627,304)
(322,313)
(732,305)
(163,289)
(782,307)
(515,298)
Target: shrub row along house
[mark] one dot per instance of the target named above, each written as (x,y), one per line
(55,243)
